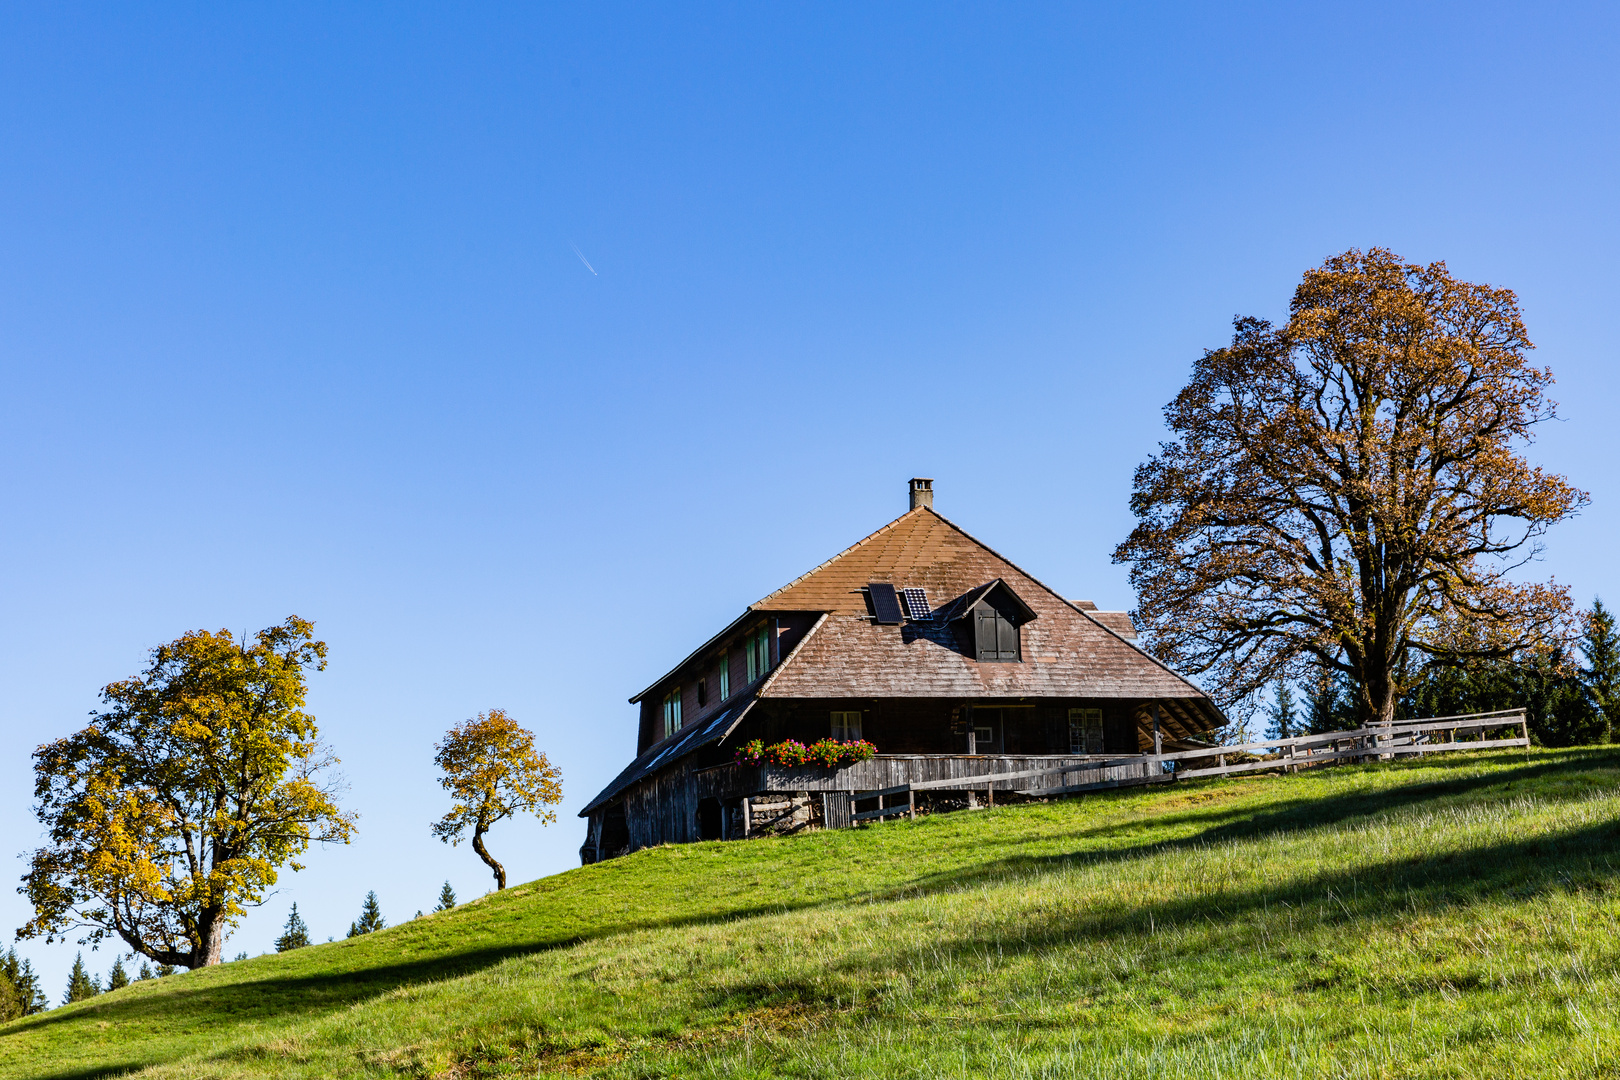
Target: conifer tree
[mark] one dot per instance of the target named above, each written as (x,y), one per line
(370,920)
(1601,645)
(1284,714)
(1324,706)
(165,969)
(447,898)
(20,994)
(117,978)
(146,972)
(295,935)
(80,985)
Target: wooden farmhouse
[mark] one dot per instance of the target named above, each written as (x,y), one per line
(919,639)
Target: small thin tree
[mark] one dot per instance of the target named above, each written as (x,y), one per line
(117,978)
(447,898)
(492,771)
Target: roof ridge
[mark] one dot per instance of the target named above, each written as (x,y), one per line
(863,540)
(1071,605)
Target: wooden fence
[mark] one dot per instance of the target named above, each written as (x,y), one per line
(1378,742)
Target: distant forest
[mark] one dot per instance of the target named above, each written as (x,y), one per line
(1569,694)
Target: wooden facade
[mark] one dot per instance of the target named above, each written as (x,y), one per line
(983,670)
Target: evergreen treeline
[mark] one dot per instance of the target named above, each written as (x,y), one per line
(1569,700)
(20,994)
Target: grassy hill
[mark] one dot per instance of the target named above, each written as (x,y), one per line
(1453,917)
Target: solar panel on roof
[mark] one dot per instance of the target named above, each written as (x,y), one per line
(916,601)
(885,605)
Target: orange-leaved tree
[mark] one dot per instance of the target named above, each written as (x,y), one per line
(172,812)
(1345,492)
(492,771)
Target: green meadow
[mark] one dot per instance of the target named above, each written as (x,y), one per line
(1456,917)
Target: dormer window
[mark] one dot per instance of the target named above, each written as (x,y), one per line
(991,618)
(995,636)
(672,712)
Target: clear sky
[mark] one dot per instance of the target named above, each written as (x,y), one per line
(522,347)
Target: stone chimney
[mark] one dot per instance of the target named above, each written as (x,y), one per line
(922,492)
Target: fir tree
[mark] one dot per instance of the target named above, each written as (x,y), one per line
(165,969)
(80,985)
(447,898)
(1284,715)
(20,994)
(146,972)
(117,978)
(370,920)
(296,933)
(239,956)
(1326,707)
(1601,675)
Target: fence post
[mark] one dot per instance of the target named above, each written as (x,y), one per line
(748,816)
(911,803)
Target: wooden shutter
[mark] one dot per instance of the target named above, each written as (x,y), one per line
(1006,639)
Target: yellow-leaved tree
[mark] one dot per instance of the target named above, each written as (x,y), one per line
(492,771)
(172,812)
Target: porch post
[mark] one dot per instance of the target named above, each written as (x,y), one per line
(1158,743)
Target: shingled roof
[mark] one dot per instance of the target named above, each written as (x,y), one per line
(1067,651)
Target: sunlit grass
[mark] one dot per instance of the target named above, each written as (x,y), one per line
(1446,918)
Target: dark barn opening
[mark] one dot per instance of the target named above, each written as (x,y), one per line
(709,817)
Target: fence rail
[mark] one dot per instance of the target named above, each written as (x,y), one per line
(1375,742)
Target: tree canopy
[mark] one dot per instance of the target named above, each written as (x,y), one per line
(172,812)
(1345,492)
(492,772)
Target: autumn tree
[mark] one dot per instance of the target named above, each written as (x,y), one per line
(1345,491)
(492,771)
(173,812)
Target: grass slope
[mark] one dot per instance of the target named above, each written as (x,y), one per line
(1452,917)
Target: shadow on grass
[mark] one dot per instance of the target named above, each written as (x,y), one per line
(293,997)
(1375,893)
(1238,822)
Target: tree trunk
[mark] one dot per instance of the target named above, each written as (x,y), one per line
(483,853)
(210,948)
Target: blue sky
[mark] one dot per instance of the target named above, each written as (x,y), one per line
(292,321)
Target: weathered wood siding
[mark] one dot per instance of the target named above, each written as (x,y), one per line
(888,770)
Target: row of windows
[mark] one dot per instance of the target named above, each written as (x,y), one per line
(756,656)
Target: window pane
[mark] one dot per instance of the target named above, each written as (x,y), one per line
(846,726)
(725,676)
